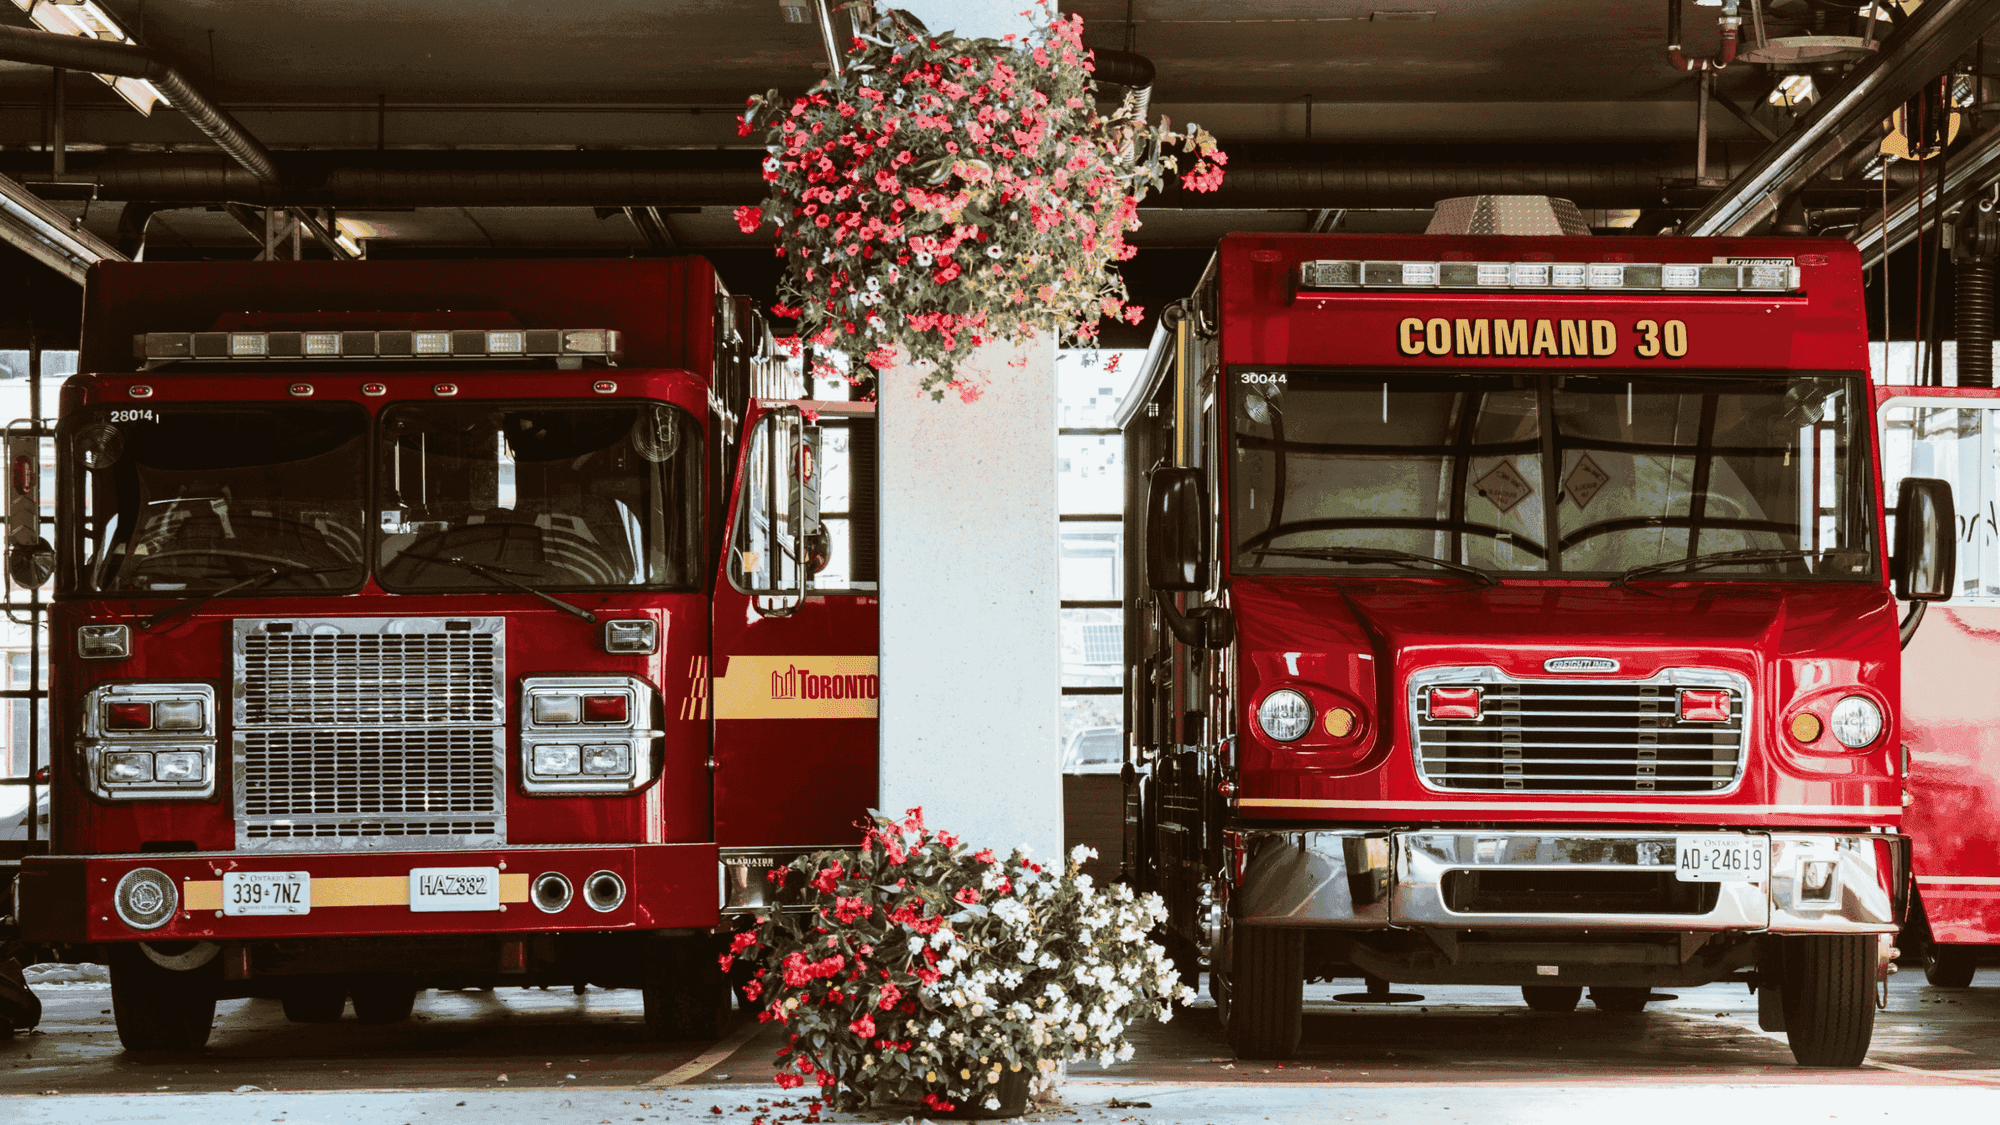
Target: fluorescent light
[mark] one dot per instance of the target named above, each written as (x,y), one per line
(46,234)
(87,20)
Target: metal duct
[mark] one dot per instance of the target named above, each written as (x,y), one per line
(1413,176)
(70,52)
(1972,305)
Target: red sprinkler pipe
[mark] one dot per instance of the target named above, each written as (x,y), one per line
(1731,23)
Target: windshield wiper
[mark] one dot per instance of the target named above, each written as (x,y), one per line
(189,605)
(501,576)
(1702,562)
(1377,554)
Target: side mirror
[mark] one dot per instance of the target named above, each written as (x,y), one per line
(1177,530)
(30,565)
(1925,562)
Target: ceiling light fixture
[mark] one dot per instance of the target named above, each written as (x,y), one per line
(87,19)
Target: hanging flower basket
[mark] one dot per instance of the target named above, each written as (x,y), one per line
(924,971)
(944,192)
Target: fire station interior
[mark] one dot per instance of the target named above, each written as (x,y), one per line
(392,130)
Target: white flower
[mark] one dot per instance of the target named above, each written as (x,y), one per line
(1082,852)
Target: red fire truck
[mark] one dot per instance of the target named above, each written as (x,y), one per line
(442,623)
(1948,696)
(1520,610)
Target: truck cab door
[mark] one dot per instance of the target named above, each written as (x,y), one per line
(794,680)
(1951,714)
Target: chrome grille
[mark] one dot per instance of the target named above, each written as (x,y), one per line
(1578,735)
(369,732)
(359,678)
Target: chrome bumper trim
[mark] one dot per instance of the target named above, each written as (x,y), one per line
(1373,879)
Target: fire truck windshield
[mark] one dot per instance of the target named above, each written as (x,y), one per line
(199,498)
(556,495)
(1644,469)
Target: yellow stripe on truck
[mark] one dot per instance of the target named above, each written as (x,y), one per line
(365,890)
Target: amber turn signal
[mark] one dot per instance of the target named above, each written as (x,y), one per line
(1806,728)
(1339,722)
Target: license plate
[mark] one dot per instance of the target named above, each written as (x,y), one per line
(1721,859)
(266,892)
(439,889)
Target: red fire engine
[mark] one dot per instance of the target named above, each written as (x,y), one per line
(1952,743)
(433,623)
(1521,612)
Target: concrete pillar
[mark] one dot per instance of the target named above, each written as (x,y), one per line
(971,662)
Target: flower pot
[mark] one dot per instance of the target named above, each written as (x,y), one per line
(1012,1090)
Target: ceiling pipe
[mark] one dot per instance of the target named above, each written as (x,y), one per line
(1940,31)
(1411,176)
(70,52)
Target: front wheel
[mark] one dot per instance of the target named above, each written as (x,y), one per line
(1552,997)
(1950,966)
(1828,992)
(684,991)
(1625,1001)
(1266,992)
(161,1009)
(383,998)
(319,999)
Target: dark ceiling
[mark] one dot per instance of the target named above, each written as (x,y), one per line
(1367,89)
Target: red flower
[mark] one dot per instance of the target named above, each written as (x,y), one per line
(788,1080)
(932,1101)
(753,989)
(985,855)
(829,878)
(749,218)
(886,999)
(966,895)
(725,961)
(864,1027)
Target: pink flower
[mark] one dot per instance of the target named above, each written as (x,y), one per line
(864,1027)
(966,895)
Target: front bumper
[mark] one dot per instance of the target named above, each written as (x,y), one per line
(1559,880)
(69,899)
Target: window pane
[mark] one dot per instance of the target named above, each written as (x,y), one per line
(1955,445)
(1091,476)
(1091,561)
(1093,648)
(1093,733)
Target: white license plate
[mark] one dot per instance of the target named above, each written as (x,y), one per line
(266,892)
(438,889)
(1721,859)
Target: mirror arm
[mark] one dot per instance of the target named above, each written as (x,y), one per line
(1911,620)
(1208,626)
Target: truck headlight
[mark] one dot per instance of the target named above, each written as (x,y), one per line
(128,768)
(586,734)
(1856,722)
(146,741)
(1285,715)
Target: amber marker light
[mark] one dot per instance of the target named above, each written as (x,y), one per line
(1806,728)
(1340,722)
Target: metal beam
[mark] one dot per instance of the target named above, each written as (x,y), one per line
(1969,172)
(1939,32)
(45,234)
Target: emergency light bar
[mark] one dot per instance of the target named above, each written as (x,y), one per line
(1678,277)
(512,343)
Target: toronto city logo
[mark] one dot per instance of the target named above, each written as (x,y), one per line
(800,683)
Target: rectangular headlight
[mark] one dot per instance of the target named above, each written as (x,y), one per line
(184,766)
(641,635)
(128,768)
(556,759)
(608,760)
(552,709)
(179,714)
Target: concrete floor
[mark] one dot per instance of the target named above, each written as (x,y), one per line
(1463,1054)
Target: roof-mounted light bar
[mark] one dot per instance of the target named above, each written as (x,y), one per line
(509,343)
(1689,277)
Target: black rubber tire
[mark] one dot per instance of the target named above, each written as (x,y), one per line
(684,991)
(1622,1000)
(1552,997)
(1829,994)
(317,999)
(159,1009)
(1267,986)
(1950,966)
(382,998)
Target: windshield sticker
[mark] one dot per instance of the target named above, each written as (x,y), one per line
(1585,481)
(1503,487)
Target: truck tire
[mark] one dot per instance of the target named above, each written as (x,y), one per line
(20,1008)
(382,998)
(1950,966)
(1829,997)
(1552,997)
(684,990)
(161,1009)
(316,999)
(1266,988)
(1625,1001)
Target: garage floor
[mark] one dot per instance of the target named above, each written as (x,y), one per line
(1462,1054)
